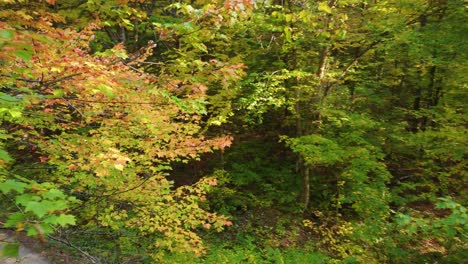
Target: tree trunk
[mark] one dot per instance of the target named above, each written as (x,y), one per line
(306,187)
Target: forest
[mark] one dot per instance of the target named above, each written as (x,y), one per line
(235,131)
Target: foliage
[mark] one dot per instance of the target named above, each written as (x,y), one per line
(41,207)
(107,131)
(347,118)
(250,254)
(352,159)
(437,237)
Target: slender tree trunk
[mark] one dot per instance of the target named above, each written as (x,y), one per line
(306,186)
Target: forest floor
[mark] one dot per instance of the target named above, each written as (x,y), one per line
(32,251)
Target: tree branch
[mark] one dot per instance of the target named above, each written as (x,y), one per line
(66,242)
(113,102)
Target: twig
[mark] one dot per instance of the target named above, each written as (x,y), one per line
(47,83)
(72,106)
(114,102)
(127,190)
(152,63)
(133,68)
(66,242)
(42,82)
(21,79)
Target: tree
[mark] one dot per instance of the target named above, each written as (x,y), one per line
(98,128)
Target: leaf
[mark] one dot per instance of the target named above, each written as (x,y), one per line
(403,219)
(119,167)
(23,54)
(6,34)
(31,231)
(8,98)
(53,194)
(10,250)
(51,219)
(24,199)
(62,219)
(14,219)
(54,205)
(107,90)
(323,6)
(325,34)
(287,33)
(15,113)
(65,220)
(121,54)
(8,185)
(200,46)
(5,156)
(37,208)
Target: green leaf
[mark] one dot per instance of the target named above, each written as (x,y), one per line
(23,54)
(446,203)
(107,90)
(46,228)
(8,98)
(24,199)
(53,194)
(65,219)
(121,54)
(58,93)
(39,230)
(6,34)
(14,219)
(5,156)
(38,208)
(287,34)
(323,6)
(31,231)
(51,219)
(8,185)
(10,250)
(15,113)
(325,34)
(403,219)
(55,205)
(200,46)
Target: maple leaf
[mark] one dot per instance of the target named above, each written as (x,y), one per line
(213,182)
(119,167)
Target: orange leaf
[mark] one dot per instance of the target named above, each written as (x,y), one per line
(213,182)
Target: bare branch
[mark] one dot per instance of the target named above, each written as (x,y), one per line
(66,242)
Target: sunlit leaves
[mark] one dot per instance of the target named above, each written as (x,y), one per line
(109,130)
(10,185)
(318,150)
(41,205)
(324,7)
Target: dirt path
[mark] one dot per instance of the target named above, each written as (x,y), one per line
(26,254)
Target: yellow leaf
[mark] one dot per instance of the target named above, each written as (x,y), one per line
(323,6)
(119,167)
(101,171)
